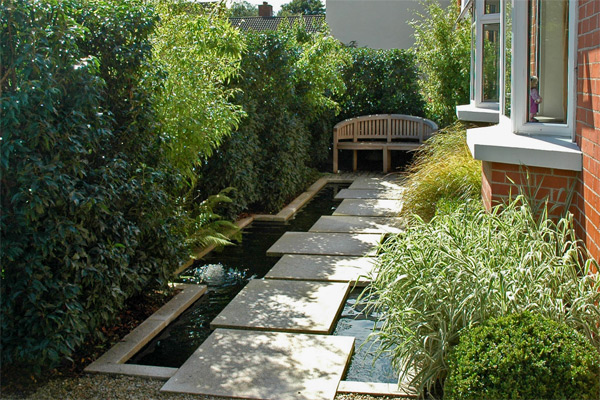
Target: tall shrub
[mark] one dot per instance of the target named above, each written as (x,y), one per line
(75,214)
(93,209)
(286,86)
(198,52)
(380,82)
(442,48)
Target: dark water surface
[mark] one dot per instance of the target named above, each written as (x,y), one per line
(226,272)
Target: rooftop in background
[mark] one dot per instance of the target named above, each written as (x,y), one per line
(313,23)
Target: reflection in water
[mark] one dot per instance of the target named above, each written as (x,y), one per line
(364,367)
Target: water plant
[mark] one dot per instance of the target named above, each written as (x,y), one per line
(462,268)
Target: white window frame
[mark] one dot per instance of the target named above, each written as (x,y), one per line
(482,19)
(519,85)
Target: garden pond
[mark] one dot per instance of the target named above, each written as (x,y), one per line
(227,271)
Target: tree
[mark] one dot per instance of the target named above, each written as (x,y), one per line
(443,51)
(242,8)
(302,7)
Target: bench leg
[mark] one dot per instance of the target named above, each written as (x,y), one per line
(335,160)
(386,160)
(354,160)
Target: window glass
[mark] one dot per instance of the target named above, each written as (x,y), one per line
(473,60)
(491,7)
(507,55)
(548,39)
(491,58)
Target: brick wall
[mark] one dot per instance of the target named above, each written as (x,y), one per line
(501,181)
(588,125)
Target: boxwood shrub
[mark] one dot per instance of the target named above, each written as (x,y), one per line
(523,356)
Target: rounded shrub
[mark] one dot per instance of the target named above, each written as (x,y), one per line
(523,356)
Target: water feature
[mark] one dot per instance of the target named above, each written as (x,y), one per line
(226,272)
(365,366)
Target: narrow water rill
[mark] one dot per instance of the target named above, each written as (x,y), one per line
(228,271)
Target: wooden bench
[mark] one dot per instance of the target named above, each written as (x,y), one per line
(384,132)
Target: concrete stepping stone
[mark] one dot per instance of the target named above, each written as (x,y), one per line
(265,366)
(357,224)
(323,268)
(285,306)
(394,194)
(389,183)
(369,207)
(332,244)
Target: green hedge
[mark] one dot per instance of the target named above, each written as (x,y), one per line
(381,82)
(523,356)
(286,85)
(94,203)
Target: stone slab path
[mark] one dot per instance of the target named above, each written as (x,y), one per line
(369,207)
(280,347)
(265,365)
(323,268)
(395,194)
(357,224)
(332,244)
(383,183)
(285,306)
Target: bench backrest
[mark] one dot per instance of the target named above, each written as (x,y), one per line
(388,127)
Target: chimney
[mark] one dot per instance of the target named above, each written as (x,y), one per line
(265,10)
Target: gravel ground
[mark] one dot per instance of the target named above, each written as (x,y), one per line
(106,387)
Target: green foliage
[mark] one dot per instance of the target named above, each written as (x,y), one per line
(286,86)
(199,52)
(437,279)
(242,8)
(302,7)
(442,170)
(523,356)
(78,214)
(442,48)
(92,205)
(380,82)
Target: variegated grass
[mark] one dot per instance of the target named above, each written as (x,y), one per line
(437,279)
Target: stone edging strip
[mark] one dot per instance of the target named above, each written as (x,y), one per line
(113,361)
(375,389)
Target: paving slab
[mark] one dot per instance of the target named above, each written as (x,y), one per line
(265,366)
(378,183)
(332,244)
(369,207)
(392,194)
(285,306)
(357,224)
(323,268)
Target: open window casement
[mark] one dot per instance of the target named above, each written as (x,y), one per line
(543,92)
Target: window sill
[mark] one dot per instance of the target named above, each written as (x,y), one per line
(498,144)
(469,112)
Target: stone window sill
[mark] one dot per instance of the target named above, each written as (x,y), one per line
(469,112)
(497,144)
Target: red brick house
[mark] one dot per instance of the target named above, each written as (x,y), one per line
(536,80)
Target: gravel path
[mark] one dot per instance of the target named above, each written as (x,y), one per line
(107,387)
